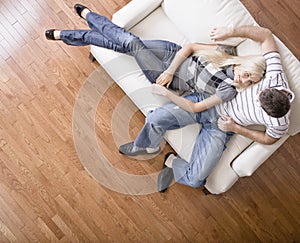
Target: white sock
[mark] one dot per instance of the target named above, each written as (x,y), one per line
(149,150)
(169,161)
(85,12)
(152,150)
(56,34)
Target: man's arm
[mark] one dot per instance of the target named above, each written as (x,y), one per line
(166,77)
(227,124)
(256,33)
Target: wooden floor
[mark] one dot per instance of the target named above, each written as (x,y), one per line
(45,193)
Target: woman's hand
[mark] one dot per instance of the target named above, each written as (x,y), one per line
(226,124)
(165,79)
(221,33)
(159,89)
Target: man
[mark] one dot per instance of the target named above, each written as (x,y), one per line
(266,103)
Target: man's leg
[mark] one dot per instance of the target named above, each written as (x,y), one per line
(160,120)
(206,154)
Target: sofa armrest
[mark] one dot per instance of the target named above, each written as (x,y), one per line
(256,154)
(134,12)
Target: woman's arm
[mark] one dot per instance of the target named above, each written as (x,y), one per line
(166,77)
(256,33)
(185,104)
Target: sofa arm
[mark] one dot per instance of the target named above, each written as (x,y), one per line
(134,12)
(256,154)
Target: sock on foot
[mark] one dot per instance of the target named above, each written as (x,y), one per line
(169,161)
(85,12)
(56,34)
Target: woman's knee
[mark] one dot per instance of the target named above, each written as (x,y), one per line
(133,43)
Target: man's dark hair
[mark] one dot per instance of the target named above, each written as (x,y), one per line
(275,103)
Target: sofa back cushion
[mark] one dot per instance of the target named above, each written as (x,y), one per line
(196,18)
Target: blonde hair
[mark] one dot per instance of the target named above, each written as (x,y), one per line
(254,64)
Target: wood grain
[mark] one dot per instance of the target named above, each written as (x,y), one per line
(46,195)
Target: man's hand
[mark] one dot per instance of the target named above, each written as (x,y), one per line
(221,33)
(159,89)
(256,33)
(226,124)
(165,79)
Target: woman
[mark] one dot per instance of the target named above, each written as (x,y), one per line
(195,67)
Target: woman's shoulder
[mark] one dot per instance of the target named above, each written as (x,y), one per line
(225,91)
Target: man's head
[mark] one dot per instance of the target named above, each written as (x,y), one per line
(276,103)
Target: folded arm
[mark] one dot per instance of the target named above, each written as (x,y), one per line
(185,104)
(166,77)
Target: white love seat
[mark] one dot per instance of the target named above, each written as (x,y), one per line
(191,21)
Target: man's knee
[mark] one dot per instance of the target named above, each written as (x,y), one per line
(153,116)
(195,176)
(196,182)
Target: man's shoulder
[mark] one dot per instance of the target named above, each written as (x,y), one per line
(277,127)
(271,54)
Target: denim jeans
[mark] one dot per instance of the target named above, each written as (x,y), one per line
(209,145)
(152,56)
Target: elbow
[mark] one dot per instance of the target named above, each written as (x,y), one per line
(267,33)
(193,108)
(189,47)
(270,140)
(266,30)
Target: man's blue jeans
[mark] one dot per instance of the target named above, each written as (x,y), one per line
(152,56)
(209,145)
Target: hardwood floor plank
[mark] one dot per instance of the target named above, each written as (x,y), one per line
(73,215)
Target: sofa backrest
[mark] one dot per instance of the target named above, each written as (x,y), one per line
(196,18)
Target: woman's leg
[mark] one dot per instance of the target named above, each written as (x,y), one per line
(165,51)
(88,37)
(153,56)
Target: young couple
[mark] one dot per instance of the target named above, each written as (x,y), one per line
(227,92)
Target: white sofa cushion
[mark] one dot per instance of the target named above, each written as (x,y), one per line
(195,18)
(133,13)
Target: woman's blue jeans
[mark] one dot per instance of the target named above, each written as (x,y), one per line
(209,145)
(152,56)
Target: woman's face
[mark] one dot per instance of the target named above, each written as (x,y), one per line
(244,78)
